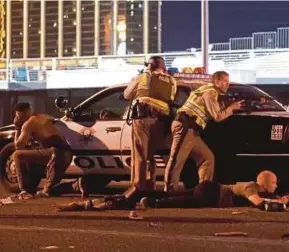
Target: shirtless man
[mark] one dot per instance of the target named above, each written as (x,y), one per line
(260,194)
(55,153)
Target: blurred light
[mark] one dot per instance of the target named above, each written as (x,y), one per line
(155,27)
(55,50)
(20,33)
(131,13)
(74,9)
(121,26)
(109,21)
(29,25)
(74,22)
(65,50)
(74,49)
(131,39)
(131,6)
(139,25)
(54,24)
(39,31)
(83,8)
(140,5)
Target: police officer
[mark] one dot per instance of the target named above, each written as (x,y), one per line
(152,91)
(201,107)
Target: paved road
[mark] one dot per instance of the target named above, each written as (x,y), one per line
(34,225)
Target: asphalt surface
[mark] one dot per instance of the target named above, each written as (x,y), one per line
(34,225)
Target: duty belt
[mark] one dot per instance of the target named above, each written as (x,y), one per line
(198,111)
(188,121)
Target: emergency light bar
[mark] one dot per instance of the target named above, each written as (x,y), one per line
(192,76)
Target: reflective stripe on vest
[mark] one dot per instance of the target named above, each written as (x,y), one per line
(157,104)
(194,109)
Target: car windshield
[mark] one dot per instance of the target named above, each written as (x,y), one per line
(255,99)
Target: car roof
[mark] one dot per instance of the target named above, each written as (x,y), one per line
(189,80)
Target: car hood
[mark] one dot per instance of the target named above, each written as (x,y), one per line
(7,128)
(266,113)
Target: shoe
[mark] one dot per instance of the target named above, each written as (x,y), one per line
(42,194)
(147,202)
(23,195)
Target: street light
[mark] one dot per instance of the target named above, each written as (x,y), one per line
(205,33)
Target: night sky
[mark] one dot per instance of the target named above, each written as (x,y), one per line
(181,21)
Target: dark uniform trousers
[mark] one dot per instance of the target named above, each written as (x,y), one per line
(187,142)
(55,159)
(147,136)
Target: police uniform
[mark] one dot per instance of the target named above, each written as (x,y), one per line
(201,107)
(152,92)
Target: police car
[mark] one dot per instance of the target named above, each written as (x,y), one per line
(253,139)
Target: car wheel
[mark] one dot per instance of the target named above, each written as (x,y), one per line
(8,174)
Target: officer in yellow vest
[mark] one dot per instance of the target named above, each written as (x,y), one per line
(201,107)
(153,91)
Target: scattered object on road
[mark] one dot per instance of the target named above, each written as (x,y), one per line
(71,247)
(231,234)
(155,224)
(6,201)
(238,212)
(134,215)
(285,237)
(50,247)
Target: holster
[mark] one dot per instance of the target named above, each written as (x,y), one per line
(142,110)
(188,121)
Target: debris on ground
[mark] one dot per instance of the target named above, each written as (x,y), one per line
(6,201)
(231,234)
(155,224)
(50,247)
(134,215)
(285,237)
(238,212)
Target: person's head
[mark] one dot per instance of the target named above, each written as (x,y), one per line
(267,180)
(156,63)
(221,80)
(22,112)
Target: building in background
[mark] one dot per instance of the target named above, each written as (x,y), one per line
(39,29)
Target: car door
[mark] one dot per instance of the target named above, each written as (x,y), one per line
(162,154)
(94,133)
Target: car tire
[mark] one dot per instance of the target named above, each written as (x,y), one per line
(8,177)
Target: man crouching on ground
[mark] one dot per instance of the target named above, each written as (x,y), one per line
(55,153)
(260,194)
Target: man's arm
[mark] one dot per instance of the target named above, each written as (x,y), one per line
(130,91)
(174,88)
(213,107)
(271,205)
(22,140)
(210,99)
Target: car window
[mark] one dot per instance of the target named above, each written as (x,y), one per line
(255,99)
(108,105)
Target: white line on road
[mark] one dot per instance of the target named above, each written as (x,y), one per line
(244,240)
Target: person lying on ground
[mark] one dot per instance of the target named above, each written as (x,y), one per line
(260,194)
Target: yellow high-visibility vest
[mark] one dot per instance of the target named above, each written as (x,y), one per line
(198,110)
(155,90)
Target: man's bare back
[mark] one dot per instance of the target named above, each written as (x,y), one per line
(40,128)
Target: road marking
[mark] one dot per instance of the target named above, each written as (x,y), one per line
(247,240)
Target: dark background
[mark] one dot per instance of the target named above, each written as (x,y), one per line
(181,21)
